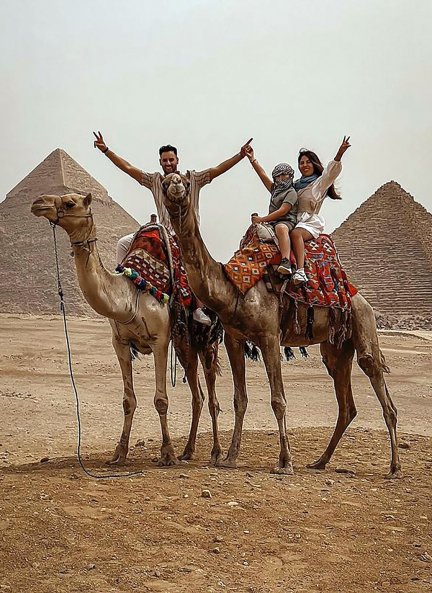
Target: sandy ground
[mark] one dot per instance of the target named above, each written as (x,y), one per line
(316,531)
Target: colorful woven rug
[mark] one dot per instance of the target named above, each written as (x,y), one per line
(147,264)
(327,284)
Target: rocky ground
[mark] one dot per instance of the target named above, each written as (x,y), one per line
(196,528)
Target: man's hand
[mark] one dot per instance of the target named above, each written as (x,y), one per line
(99,142)
(245,147)
(256,219)
(249,152)
(342,148)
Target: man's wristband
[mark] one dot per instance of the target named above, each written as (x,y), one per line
(106,150)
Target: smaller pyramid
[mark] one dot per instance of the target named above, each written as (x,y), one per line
(26,243)
(386,247)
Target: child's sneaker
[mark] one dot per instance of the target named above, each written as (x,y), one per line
(285,267)
(299,276)
(201,317)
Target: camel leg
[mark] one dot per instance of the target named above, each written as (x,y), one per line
(160,355)
(371,365)
(209,363)
(129,400)
(235,351)
(270,349)
(371,361)
(189,361)
(339,367)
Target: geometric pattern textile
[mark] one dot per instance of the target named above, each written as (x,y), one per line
(327,284)
(148,256)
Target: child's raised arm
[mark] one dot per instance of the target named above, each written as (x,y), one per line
(257,167)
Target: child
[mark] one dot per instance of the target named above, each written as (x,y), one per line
(282,208)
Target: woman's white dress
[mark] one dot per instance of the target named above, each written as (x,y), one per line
(310,200)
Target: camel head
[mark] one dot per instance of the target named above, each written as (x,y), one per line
(72,212)
(176,189)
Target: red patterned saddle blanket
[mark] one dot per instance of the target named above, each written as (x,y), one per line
(155,267)
(327,284)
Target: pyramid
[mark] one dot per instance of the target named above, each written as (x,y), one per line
(386,249)
(29,280)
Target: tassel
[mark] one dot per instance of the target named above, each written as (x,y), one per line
(332,325)
(289,354)
(296,324)
(341,336)
(309,323)
(349,324)
(251,351)
(255,356)
(303,352)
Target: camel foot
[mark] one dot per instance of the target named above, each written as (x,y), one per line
(287,470)
(186,455)
(318,465)
(118,458)
(215,455)
(394,474)
(167,457)
(227,463)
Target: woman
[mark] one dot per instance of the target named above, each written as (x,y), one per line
(315,184)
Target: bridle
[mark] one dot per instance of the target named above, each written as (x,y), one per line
(180,216)
(62,213)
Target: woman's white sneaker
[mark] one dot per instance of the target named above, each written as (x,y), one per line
(299,276)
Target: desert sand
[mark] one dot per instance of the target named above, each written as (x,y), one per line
(346,529)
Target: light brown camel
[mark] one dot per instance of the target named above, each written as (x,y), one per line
(257,317)
(136,319)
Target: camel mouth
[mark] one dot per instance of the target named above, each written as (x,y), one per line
(39,209)
(176,194)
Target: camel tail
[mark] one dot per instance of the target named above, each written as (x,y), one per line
(384,367)
(218,366)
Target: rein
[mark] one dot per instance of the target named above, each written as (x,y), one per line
(69,359)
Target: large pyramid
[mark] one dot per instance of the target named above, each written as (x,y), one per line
(386,248)
(27,262)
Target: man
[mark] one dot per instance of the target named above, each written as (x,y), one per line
(169,161)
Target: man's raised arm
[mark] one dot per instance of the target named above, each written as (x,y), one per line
(117,160)
(229,163)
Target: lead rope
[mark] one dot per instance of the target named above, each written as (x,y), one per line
(72,378)
(173,367)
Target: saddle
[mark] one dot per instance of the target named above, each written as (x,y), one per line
(327,286)
(154,264)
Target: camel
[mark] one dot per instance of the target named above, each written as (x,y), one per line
(257,317)
(137,321)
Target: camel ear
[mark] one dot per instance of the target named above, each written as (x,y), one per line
(87,200)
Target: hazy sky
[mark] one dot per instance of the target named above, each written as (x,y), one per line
(206,75)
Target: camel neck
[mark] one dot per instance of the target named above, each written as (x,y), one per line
(103,290)
(205,275)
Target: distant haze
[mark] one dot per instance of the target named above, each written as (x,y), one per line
(205,76)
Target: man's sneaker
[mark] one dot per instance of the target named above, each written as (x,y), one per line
(201,317)
(285,267)
(299,276)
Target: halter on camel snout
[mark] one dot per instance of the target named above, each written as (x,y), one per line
(62,212)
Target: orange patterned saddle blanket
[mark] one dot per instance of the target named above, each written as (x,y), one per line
(327,285)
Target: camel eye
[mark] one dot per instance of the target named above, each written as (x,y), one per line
(70,204)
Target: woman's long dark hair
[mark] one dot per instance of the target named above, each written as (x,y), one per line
(318,169)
